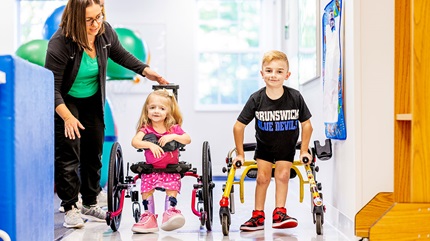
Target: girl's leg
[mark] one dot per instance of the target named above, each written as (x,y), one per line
(148,220)
(170,199)
(148,201)
(172,217)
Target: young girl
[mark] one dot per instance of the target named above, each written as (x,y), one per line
(160,117)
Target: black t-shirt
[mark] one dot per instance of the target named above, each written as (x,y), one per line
(276,121)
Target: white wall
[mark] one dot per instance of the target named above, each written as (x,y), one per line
(361,166)
(178,66)
(8,21)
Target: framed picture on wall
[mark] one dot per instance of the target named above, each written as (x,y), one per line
(309,46)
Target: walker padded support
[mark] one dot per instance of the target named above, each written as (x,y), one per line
(170,87)
(26,150)
(252,173)
(323,152)
(144,168)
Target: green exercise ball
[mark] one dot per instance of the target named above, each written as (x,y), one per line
(34,51)
(131,41)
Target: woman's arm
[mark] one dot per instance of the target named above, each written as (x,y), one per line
(57,58)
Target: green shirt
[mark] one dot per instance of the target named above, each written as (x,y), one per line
(86,83)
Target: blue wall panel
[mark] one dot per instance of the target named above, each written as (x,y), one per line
(26,150)
(7,175)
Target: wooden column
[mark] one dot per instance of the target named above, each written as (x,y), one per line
(405,213)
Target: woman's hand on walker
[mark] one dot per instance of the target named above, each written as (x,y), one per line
(154,76)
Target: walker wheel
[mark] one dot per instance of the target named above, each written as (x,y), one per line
(202,217)
(318,223)
(115,178)
(225,225)
(208,185)
(136,215)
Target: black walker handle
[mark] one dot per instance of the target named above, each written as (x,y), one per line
(305,160)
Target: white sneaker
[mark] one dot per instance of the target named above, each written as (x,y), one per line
(73,219)
(102,199)
(94,213)
(78,204)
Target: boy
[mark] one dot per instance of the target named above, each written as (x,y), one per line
(277,110)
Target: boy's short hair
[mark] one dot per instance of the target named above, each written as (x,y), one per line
(275,55)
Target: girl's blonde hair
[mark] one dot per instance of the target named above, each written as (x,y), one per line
(275,55)
(173,117)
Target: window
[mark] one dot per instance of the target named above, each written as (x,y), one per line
(229,53)
(308,59)
(302,40)
(32,20)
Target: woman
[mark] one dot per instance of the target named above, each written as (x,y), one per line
(77,55)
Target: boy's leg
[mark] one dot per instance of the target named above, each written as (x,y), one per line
(282,178)
(264,174)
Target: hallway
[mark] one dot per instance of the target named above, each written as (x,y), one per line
(94,231)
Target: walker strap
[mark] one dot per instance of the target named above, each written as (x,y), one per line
(144,168)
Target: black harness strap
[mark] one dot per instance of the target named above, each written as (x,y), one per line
(144,168)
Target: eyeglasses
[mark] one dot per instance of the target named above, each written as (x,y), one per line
(98,19)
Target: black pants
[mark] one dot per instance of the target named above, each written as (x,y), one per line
(78,162)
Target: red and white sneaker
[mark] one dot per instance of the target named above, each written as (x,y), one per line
(146,224)
(256,222)
(282,220)
(172,219)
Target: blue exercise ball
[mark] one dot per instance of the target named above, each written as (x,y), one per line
(52,23)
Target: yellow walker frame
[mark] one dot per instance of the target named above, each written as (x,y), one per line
(250,171)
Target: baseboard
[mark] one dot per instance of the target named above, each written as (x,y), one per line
(340,221)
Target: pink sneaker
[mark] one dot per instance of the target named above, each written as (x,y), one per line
(172,219)
(146,224)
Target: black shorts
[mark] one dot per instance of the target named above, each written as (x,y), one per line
(273,156)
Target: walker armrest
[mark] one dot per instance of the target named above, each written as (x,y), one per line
(249,146)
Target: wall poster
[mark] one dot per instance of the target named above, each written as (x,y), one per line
(332,70)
